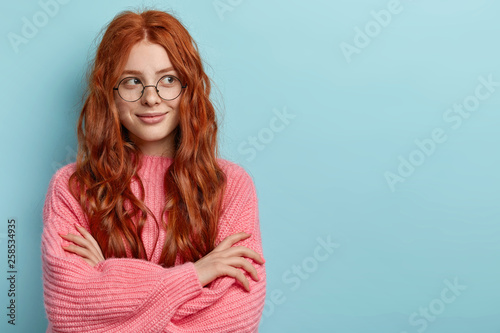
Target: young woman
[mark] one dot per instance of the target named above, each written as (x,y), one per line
(149,231)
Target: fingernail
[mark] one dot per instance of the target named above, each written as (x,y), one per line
(61,234)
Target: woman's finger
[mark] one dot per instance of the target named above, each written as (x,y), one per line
(91,263)
(81,251)
(84,248)
(91,239)
(230,240)
(238,275)
(243,251)
(88,236)
(243,263)
(77,240)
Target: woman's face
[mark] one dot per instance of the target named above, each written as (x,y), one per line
(151,121)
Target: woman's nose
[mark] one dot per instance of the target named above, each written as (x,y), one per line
(150,96)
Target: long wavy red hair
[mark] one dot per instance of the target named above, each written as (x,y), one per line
(107,160)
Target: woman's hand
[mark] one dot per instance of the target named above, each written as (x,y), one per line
(224,259)
(87,247)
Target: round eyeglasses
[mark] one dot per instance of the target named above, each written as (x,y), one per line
(131,88)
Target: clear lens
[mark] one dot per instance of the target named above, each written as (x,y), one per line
(169,87)
(130,89)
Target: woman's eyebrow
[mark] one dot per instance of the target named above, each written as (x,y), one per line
(134,72)
(165,70)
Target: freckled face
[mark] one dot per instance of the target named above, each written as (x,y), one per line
(152,122)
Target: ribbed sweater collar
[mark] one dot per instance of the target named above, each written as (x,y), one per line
(154,165)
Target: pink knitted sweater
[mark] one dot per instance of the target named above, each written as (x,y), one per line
(133,295)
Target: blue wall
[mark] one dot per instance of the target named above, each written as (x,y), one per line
(370,128)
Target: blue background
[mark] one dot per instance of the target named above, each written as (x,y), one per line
(321,170)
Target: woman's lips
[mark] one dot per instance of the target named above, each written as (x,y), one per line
(152,118)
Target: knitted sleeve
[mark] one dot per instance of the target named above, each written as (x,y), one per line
(225,306)
(118,294)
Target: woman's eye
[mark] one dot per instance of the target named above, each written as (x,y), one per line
(168,80)
(133,81)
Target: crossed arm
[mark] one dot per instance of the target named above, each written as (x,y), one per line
(222,261)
